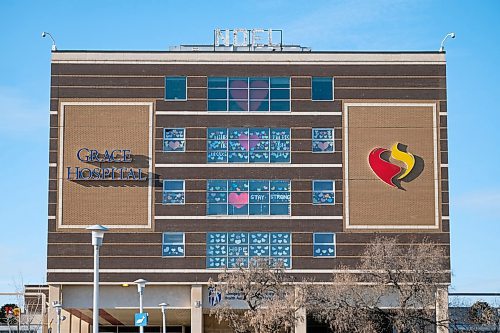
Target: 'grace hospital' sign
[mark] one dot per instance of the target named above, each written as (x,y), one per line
(87,155)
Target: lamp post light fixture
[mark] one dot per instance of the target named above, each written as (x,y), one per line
(58,307)
(97,236)
(141,284)
(450,35)
(163,309)
(45,34)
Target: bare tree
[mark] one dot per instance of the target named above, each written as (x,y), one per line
(475,318)
(31,298)
(397,290)
(270,300)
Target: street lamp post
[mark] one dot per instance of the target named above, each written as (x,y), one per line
(97,236)
(163,308)
(141,284)
(58,306)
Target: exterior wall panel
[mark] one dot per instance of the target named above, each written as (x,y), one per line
(141,249)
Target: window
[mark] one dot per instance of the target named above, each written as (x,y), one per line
(324,244)
(174,139)
(249,94)
(175,88)
(323,192)
(233,249)
(173,244)
(322,89)
(248,197)
(322,140)
(248,145)
(173,192)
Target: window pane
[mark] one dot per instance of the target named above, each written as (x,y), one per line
(234,262)
(258,209)
(173,250)
(259,94)
(322,89)
(216,262)
(217,185)
(280,82)
(322,185)
(173,238)
(259,251)
(173,145)
(173,133)
(216,197)
(324,250)
(259,238)
(238,82)
(241,105)
(280,238)
(216,237)
(237,238)
(217,250)
(280,185)
(238,250)
(173,198)
(216,105)
(259,106)
(238,94)
(327,238)
(216,209)
(280,250)
(217,94)
(173,185)
(217,82)
(175,88)
(280,94)
(277,209)
(280,106)
(259,82)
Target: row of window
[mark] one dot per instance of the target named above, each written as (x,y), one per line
(233,249)
(249,145)
(248,93)
(248,197)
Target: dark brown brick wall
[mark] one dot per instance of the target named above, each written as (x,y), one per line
(128,82)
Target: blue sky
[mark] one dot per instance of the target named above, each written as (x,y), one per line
(473,93)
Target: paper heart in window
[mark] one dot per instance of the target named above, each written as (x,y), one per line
(249,144)
(174,144)
(238,91)
(323,145)
(238,200)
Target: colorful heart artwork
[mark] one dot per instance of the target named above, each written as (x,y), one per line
(238,91)
(174,144)
(388,172)
(254,141)
(238,200)
(324,145)
(384,170)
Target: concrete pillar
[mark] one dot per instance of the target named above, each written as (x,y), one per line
(301,324)
(197,309)
(54,296)
(442,309)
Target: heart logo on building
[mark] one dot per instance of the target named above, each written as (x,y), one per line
(392,174)
(238,200)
